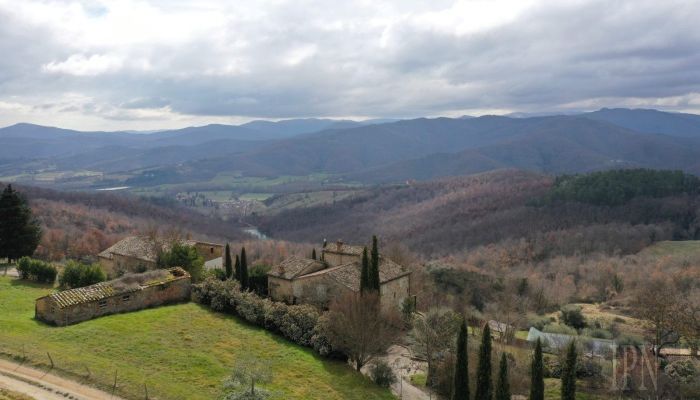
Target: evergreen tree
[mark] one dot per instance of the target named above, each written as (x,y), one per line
(364,272)
(537,374)
(503,386)
(374,282)
(237,268)
(313,254)
(568,374)
(20,232)
(484,386)
(228,265)
(460,388)
(244,270)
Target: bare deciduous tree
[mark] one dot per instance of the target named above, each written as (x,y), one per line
(357,327)
(658,303)
(434,334)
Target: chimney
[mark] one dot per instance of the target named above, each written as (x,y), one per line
(339,245)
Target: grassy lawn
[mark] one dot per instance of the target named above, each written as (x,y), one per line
(181,351)
(552,391)
(674,248)
(10,395)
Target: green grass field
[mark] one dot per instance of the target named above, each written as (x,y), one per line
(682,248)
(180,352)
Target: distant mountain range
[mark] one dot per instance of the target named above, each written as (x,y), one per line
(374,151)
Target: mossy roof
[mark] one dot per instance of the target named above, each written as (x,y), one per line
(124,285)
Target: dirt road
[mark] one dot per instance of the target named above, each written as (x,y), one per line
(41,386)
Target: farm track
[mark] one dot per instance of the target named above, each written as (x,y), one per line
(42,386)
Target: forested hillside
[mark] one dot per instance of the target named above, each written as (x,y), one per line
(78,224)
(452,215)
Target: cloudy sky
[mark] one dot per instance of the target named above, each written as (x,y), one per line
(138,64)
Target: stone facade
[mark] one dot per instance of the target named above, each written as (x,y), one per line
(129,293)
(300,280)
(140,253)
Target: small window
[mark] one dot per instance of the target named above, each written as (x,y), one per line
(126,297)
(211,250)
(102,303)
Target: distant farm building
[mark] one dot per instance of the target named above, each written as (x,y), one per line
(128,293)
(302,280)
(140,253)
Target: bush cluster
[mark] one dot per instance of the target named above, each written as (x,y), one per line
(302,324)
(77,275)
(382,374)
(36,270)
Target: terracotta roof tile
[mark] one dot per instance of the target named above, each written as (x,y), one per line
(294,267)
(126,284)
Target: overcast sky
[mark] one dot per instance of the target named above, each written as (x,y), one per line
(128,64)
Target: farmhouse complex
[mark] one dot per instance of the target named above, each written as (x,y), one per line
(140,253)
(301,280)
(128,293)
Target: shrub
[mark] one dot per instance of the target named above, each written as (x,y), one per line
(36,270)
(77,275)
(298,324)
(681,371)
(573,317)
(382,374)
(560,328)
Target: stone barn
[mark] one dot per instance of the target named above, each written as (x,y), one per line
(302,280)
(140,253)
(128,293)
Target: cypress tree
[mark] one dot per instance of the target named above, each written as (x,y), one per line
(237,269)
(244,270)
(20,232)
(313,254)
(568,374)
(374,266)
(228,265)
(503,386)
(364,272)
(484,386)
(537,374)
(460,388)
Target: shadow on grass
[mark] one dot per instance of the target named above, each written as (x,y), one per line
(31,284)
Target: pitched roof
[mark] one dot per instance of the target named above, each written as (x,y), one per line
(349,274)
(141,247)
(126,284)
(342,248)
(294,267)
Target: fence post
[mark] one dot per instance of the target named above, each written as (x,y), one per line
(145,388)
(114,388)
(52,365)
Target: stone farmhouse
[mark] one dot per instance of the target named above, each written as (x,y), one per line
(128,293)
(302,280)
(140,253)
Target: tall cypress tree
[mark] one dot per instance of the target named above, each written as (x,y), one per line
(228,265)
(237,269)
(484,386)
(244,270)
(568,373)
(364,272)
(374,282)
(20,232)
(537,374)
(460,388)
(503,386)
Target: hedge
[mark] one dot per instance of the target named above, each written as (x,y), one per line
(36,270)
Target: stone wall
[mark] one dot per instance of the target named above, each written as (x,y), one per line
(336,259)
(209,251)
(149,296)
(120,265)
(394,292)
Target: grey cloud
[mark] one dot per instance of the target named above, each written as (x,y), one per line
(549,56)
